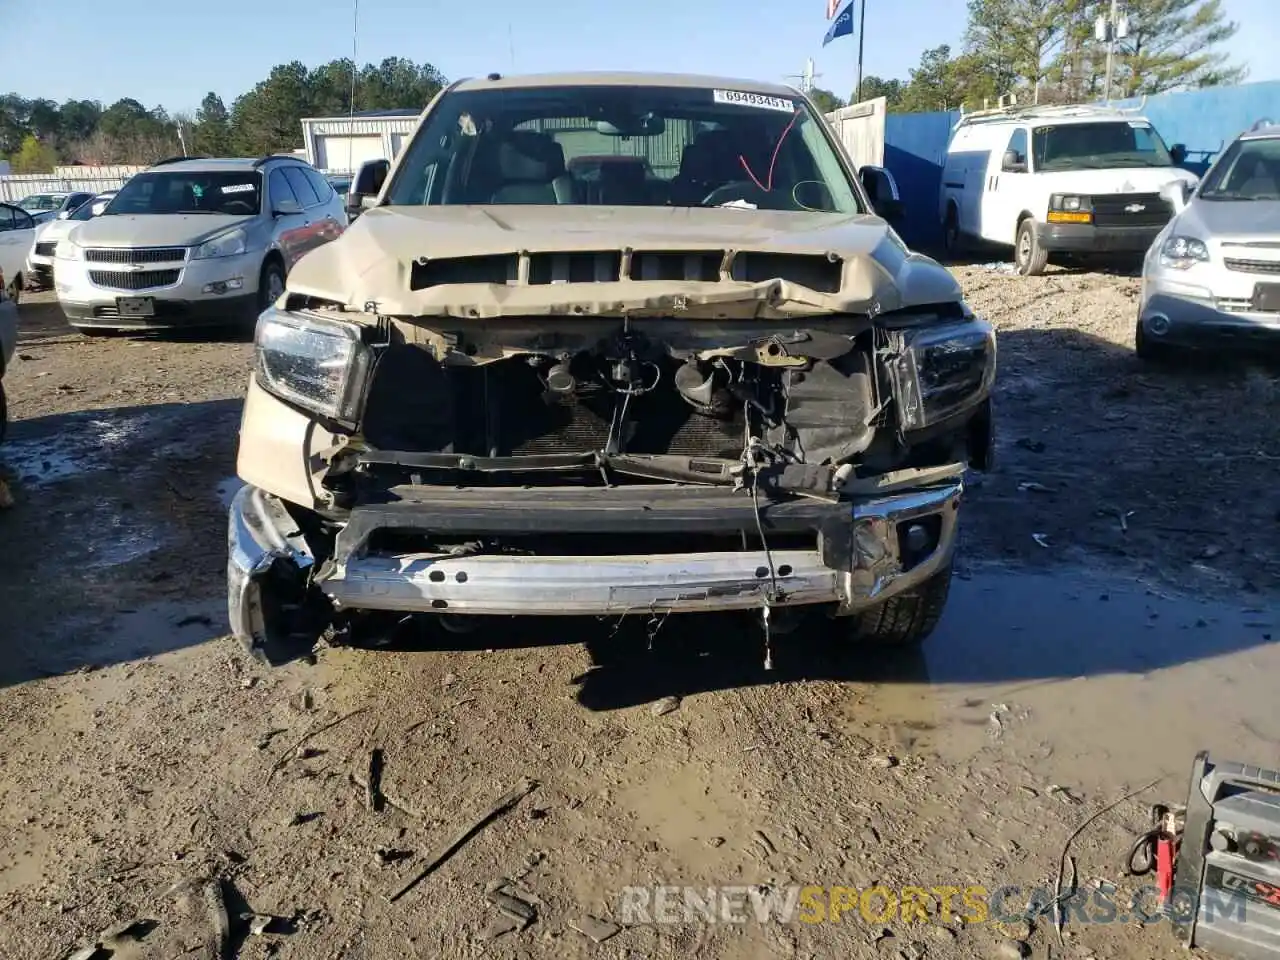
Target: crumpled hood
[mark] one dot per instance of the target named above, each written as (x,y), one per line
(374,261)
(1245,220)
(154,229)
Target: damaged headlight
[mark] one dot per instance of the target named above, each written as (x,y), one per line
(942,370)
(315,362)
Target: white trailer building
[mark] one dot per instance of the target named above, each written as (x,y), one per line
(341,144)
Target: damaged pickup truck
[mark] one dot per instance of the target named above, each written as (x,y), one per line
(701,374)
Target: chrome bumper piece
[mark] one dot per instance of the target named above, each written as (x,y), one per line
(262,534)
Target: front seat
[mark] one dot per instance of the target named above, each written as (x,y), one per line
(531,168)
(710,161)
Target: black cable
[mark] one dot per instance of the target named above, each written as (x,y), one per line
(1146,846)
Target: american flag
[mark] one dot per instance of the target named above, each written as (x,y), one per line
(832,7)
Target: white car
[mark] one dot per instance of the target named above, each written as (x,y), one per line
(8,343)
(39,272)
(1046,180)
(52,204)
(17,232)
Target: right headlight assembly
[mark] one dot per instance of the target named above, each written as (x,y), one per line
(942,370)
(1182,253)
(317,363)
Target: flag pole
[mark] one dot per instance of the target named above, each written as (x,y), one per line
(862,30)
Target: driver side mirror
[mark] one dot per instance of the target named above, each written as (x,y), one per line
(63,214)
(882,190)
(1013,162)
(1178,154)
(286,208)
(366,186)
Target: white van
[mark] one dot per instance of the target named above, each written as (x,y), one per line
(1046,180)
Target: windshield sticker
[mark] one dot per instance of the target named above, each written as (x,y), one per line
(1139,124)
(239,188)
(743,99)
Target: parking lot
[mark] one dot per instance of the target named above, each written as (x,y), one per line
(1119,576)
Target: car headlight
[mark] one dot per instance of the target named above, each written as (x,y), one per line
(224,245)
(1182,253)
(66,250)
(318,363)
(1069,208)
(943,370)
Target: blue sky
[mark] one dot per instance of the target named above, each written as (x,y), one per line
(173,53)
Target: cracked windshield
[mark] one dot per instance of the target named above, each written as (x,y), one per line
(678,480)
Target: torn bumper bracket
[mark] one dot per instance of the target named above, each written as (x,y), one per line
(265,547)
(864,551)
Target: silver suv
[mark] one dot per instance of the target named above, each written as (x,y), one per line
(1212,277)
(195,243)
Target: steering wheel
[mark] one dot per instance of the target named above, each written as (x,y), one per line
(246,206)
(733,190)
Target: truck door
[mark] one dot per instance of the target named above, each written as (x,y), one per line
(1008,184)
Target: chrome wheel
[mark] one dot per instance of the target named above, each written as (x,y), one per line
(275,285)
(270,284)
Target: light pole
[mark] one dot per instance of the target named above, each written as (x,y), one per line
(1111,28)
(351,105)
(862,32)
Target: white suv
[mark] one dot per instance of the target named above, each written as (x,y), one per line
(195,243)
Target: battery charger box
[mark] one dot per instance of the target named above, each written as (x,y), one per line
(1226,891)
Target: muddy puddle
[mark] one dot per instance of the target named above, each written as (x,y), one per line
(1086,679)
(79,445)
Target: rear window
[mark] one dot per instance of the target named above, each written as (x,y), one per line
(229,192)
(40,201)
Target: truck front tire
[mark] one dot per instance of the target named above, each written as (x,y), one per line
(905,620)
(1028,256)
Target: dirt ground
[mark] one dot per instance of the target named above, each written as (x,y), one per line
(1116,611)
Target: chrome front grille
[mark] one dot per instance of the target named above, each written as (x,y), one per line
(134,280)
(135,254)
(1252,266)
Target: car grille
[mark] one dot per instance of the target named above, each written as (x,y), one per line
(138,255)
(1110,210)
(1253,266)
(46,248)
(142,280)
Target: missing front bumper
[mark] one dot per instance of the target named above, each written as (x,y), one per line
(862,553)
